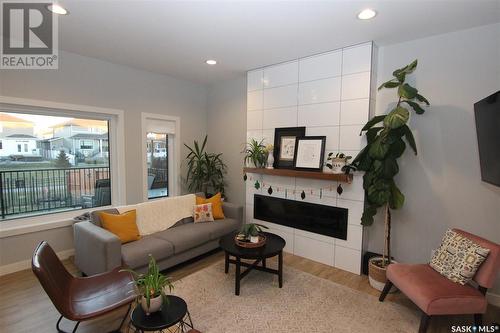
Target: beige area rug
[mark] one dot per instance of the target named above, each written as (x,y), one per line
(306,303)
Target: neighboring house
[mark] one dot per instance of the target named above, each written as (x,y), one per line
(16,137)
(50,149)
(20,145)
(88,137)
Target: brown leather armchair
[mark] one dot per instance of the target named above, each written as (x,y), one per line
(77,298)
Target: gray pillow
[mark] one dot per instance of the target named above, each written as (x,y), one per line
(95,217)
(183,221)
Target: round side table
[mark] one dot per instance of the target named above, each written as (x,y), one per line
(174,317)
(273,247)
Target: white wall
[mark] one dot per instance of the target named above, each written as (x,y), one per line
(227,131)
(88,81)
(442,184)
(330,95)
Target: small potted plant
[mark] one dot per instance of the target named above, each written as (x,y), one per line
(335,162)
(270,156)
(251,231)
(150,287)
(255,154)
(348,168)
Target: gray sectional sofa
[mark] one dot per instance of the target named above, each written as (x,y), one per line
(98,250)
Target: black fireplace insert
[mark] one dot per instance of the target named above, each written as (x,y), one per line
(320,219)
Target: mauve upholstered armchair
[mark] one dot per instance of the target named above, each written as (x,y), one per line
(435,295)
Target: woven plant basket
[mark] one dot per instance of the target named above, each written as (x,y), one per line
(377,275)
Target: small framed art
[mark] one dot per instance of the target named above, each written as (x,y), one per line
(309,153)
(284,146)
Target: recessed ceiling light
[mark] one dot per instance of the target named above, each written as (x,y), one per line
(367,14)
(57,9)
(211,62)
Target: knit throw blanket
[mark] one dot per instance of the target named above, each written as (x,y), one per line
(161,214)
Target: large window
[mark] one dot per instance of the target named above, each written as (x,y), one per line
(45,167)
(157,163)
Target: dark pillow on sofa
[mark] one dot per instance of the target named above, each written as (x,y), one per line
(95,217)
(183,221)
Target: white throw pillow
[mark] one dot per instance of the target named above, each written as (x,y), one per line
(203,213)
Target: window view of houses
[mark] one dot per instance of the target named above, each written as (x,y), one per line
(157,148)
(52,163)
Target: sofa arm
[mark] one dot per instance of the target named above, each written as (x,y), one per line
(233,211)
(96,249)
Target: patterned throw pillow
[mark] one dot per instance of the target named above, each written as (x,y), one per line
(216,202)
(203,213)
(458,258)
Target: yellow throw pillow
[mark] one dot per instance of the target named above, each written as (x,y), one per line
(122,225)
(216,202)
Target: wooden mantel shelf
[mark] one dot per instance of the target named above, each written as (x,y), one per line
(301,174)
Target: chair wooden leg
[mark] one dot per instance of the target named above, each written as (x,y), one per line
(387,287)
(424,323)
(478,319)
(59,330)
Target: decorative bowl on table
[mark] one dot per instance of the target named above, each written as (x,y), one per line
(244,241)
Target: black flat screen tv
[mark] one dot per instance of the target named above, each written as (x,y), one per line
(487,113)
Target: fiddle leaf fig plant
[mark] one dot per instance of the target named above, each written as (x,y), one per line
(387,136)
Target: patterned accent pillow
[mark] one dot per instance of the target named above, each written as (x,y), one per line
(203,213)
(458,258)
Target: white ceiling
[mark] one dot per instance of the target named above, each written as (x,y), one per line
(175,38)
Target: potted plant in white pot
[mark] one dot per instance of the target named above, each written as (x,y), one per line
(336,162)
(255,154)
(385,144)
(251,232)
(150,287)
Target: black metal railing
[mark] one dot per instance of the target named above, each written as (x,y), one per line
(160,177)
(33,191)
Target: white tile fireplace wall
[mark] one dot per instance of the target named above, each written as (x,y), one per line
(330,94)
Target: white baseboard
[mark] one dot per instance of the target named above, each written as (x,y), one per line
(493,299)
(26,264)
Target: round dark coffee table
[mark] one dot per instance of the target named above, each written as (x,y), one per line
(273,247)
(173,317)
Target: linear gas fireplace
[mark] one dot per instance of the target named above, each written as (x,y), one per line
(320,219)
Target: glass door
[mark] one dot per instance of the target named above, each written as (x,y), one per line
(157,163)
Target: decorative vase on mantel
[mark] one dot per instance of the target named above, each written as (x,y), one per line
(270,160)
(337,165)
(327,169)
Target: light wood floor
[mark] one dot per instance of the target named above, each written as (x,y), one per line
(24,306)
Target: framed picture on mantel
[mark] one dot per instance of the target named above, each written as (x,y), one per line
(284,146)
(309,153)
